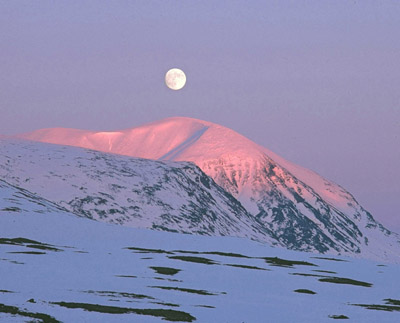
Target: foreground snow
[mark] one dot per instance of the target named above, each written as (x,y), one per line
(59,267)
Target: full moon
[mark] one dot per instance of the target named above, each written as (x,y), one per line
(175,79)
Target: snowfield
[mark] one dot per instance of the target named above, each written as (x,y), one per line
(57,267)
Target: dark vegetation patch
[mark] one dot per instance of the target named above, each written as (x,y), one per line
(166,304)
(325,271)
(199,260)
(145,250)
(168,279)
(335,280)
(392,301)
(11,209)
(28,243)
(304,291)
(391,305)
(279,262)
(17,241)
(28,252)
(13,310)
(339,317)
(307,275)
(126,276)
(225,254)
(247,267)
(206,306)
(118,294)
(329,258)
(43,247)
(346,281)
(169,315)
(186,251)
(386,308)
(166,270)
(217,253)
(188,290)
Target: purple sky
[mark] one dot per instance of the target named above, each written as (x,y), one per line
(315,81)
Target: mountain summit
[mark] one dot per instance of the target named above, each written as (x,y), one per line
(304,210)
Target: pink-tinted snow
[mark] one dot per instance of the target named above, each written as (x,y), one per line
(188,139)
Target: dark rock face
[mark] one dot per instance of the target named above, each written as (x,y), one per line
(294,212)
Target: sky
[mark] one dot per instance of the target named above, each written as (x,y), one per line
(315,81)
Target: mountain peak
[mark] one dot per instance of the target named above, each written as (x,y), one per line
(304,210)
(209,145)
(164,139)
(178,120)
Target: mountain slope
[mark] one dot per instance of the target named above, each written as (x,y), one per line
(304,210)
(172,196)
(16,200)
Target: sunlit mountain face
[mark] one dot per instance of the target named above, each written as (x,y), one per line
(295,207)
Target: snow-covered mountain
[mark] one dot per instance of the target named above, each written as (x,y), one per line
(302,209)
(142,193)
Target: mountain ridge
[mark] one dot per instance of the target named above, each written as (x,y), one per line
(304,210)
(141,142)
(162,195)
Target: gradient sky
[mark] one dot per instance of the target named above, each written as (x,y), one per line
(318,82)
